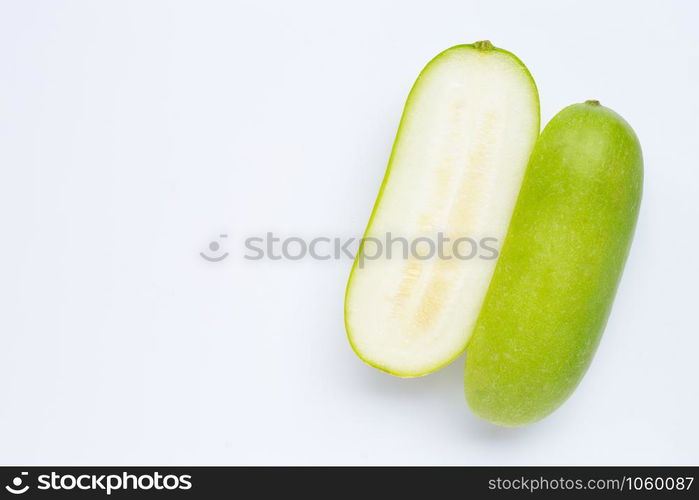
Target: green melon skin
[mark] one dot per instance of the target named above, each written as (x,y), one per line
(559,268)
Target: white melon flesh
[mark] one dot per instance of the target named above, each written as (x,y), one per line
(462,147)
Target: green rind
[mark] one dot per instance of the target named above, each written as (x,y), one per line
(559,268)
(479,46)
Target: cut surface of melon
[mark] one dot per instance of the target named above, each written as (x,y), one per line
(458,160)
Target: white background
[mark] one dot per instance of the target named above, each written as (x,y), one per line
(132,133)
